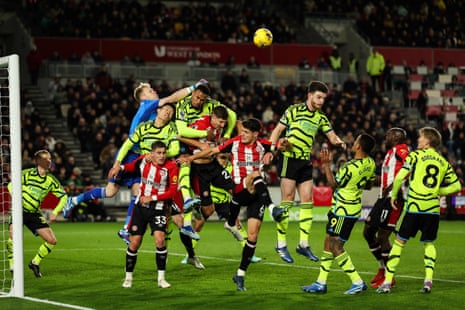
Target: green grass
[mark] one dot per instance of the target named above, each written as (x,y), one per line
(86,269)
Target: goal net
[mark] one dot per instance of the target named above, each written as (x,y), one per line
(11,279)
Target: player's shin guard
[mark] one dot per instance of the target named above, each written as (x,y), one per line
(429,260)
(393,260)
(284,224)
(327,260)
(131,260)
(95,193)
(305,222)
(160,258)
(345,262)
(43,251)
(247,253)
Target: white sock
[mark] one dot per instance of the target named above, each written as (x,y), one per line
(161,275)
(129,275)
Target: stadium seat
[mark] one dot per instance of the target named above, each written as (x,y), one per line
(457,101)
(415,85)
(439,86)
(415,77)
(433,93)
(453,70)
(435,100)
(413,96)
(447,93)
(461,79)
(445,78)
(398,70)
(450,113)
(422,70)
(433,110)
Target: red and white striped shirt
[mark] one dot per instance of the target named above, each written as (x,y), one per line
(204,123)
(393,161)
(245,158)
(159,180)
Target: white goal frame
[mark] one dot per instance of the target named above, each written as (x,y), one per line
(12,64)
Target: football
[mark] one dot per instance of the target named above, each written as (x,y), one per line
(262,37)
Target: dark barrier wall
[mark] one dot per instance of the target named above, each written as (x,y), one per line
(277,54)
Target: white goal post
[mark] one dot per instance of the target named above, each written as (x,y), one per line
(10,129)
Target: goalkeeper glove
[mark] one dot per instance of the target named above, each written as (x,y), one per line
(200,82)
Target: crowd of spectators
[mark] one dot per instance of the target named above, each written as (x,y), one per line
(156,20)
(386,23)
(436,23)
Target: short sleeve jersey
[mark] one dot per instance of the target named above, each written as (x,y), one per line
(352,179)
(147,133)
(36,187)
(428,170)
(245,158)
(302,127)
(187,113)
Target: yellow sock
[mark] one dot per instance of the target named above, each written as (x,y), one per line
(327,260)
(284,224)
(393,260)
(185,181)
(345,262)
(430,260)
(188,218)
(43,251)
(305,222)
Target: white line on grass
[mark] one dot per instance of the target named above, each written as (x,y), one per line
(46,301)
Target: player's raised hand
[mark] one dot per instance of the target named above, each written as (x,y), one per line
(325,155)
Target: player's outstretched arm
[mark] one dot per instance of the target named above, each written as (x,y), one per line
(181,93)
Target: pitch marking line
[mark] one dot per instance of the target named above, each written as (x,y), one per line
(50,302)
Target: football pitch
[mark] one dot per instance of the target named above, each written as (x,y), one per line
(86,270)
